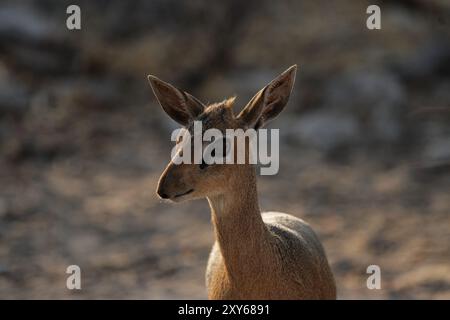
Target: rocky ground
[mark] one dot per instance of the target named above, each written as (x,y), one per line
(365,153)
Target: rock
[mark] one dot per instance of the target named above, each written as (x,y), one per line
(430,58)
(14,96)
(376,99)
(324,130)
(433,123)
(35,43)
(435,142)
(21,24)
(436,154)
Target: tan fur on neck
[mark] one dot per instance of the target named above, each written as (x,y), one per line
(260,259)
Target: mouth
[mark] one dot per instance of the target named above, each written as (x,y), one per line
(184,193)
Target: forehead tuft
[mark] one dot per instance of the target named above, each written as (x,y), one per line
(217,114)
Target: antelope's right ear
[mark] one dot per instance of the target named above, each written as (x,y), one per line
(269,101)
(179,105)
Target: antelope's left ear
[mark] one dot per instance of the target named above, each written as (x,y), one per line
(269,101)
(179,105)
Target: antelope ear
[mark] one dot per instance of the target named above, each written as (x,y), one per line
(269,101)
(179,105)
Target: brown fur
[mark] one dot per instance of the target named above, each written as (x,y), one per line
(256,256)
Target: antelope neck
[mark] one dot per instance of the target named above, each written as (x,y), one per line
(239,229)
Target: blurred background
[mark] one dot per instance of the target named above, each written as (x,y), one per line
(365,140)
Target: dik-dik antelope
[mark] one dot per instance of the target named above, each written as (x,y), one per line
(272,255)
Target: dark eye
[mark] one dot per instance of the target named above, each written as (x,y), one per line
(203,165)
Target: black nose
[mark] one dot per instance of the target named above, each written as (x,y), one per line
(163,195)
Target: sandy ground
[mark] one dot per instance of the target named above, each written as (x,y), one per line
(82,142)
(98,209)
